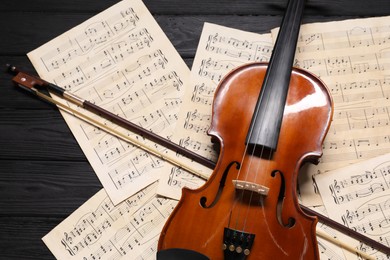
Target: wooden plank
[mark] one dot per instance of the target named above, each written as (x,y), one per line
(205,7)
(31,30)
(20,237)
(183,31)
(37,135)
(44,174)
(45,188)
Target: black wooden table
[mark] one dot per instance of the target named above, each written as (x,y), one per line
(44,176)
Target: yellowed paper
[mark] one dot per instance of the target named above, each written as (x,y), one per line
(101,230)
(352,57)
(122,61)
(358,197)
(220,50)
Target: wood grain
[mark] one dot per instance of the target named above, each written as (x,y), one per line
(44,175)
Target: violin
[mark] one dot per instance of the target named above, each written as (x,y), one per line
(268,119)
(252,191)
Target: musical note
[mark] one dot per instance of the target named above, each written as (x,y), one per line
(101,230)
(352,37)
(91,35)
(218,53)
(358,197)
(353,60)
(250,49)
(114,61)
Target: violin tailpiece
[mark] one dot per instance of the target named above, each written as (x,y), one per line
(236,244)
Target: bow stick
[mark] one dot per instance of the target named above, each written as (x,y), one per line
(26,80)
(33,84)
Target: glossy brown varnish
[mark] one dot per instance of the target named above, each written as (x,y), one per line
(306,120)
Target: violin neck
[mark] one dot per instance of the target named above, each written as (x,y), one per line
(268,114)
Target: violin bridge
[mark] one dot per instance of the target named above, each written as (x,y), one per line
(250,186)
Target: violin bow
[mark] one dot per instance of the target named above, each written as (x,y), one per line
(33,84)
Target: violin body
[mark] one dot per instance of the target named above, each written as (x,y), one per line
(234,216)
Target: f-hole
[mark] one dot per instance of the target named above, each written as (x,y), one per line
(222,182)
(279,208)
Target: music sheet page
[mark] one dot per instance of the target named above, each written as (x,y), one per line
(352,57)
(220,50)
(101,230)
(122,61)
(358,197)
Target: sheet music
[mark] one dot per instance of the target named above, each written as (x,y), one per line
(129,230)
(328,250)
(122,61)
(358,197)
(190,132)
(220,50)
(352,57)
(101,230)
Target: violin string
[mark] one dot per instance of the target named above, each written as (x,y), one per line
(262,168)
(251,163)
(249,167)
(258,171)
(267,173)
(241,196)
